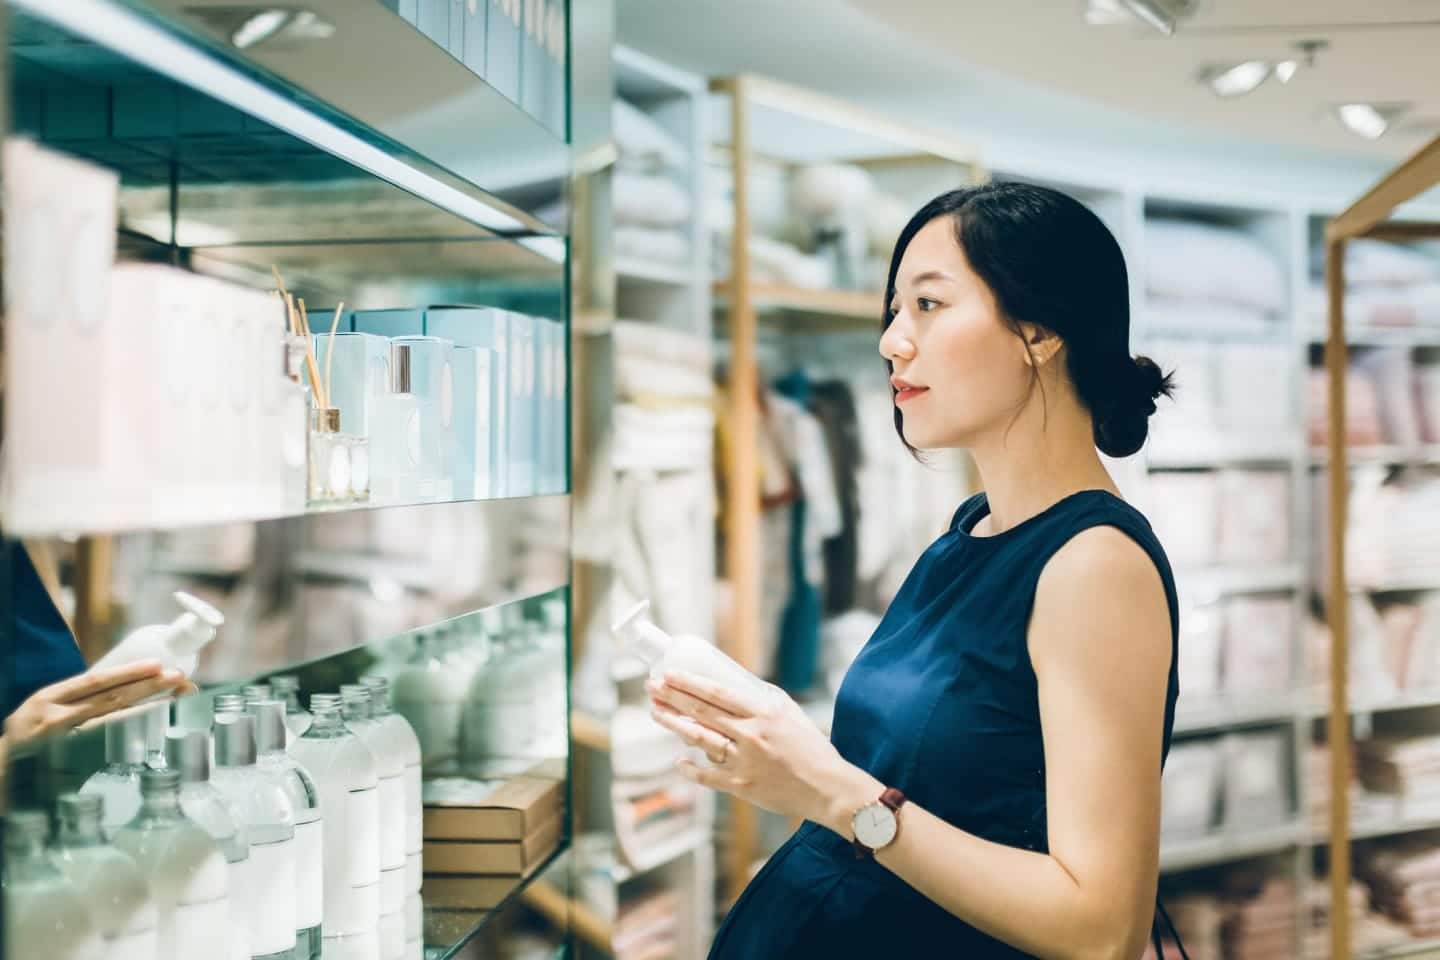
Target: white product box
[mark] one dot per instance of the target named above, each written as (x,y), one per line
(488,328)
(523,415)
(473,425)
(359,372)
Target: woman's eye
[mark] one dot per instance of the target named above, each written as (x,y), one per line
(926,304)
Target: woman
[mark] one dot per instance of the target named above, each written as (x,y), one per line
(991,787)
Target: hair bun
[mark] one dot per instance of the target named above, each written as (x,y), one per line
(1123,430)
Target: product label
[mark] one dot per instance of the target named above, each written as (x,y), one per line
(134,946)
(309,874)
(273,929)
(364,837)
(202,930)
(414,814)
(392,822)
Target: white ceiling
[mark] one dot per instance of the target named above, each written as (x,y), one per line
(1031,74)
(1379,51)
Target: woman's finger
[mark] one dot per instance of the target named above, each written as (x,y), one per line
(94,682)
(119,698)
(694,734)
(701,710)
(713,778)
(735,702)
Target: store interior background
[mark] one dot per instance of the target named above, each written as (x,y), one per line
(731,451)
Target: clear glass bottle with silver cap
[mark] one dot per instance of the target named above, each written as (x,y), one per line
(269,819)
(270,734)
(188,753)
(45,914)
(256,691)
(188,878)
(345,776)
(390,766)
(403,737)
(405,448)
(329,458)
(287,688)
(108,879)
(118,783)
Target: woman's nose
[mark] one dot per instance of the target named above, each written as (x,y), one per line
(895,344)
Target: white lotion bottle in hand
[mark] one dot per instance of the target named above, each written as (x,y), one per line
(663,653)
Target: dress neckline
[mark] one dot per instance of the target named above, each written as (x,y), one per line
(981,510)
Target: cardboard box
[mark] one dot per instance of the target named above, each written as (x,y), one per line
(489,810)
(510,858)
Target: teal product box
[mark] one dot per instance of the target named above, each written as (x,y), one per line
(434,21)
(502,47)
(560,407)
(557,40)
(534,60)
(472,52)
(432,382)
(472,423)
(389,323)
(456,44)
(523,428)
(553,408)
(359,374)
(409,10)
(487,328)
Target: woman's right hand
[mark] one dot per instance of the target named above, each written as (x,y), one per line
(94,693)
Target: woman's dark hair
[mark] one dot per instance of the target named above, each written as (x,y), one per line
(1051,262)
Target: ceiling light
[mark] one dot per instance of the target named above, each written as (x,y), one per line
(1234,80)
(1163,15)
(259,27)
(1285,70)
(1370,120)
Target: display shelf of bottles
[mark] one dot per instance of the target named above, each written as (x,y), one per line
(1177,855)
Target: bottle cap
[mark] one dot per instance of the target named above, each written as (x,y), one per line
(255,691)
(399,367)
(285,683)
(641,637)
(229,703)
(325,419)
(320,700)
(269,724)
(356,702)
(125,740)
(235,740)
(188,753)
(157,783)
(196,626)
(379,688)
(77,809)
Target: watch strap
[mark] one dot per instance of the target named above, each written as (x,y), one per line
(894,800)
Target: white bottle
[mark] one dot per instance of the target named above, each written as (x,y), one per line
(430,693)
(176,644)
(408,744)
(118,784)
(270,733)
(186,871)
(189,753)
(390,765)
(107,878)
(345,776)
(45,916)
(269,819)
(662,652)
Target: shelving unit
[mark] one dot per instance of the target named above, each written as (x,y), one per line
(234,160)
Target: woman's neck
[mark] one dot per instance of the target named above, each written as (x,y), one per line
(1035,463)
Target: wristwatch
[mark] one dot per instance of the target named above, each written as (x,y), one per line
(876,825)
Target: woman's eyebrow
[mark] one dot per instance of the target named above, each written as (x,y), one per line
(929,275)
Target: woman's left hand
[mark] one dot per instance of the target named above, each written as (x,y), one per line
(767,752)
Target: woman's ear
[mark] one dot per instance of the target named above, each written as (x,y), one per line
(1041,344)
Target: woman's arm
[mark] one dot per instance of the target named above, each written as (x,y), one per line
(1100,642)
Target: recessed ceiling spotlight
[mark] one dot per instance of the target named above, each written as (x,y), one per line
(1234,80)
(259,27)
(1163,15)
(1370,120)
(1285,70)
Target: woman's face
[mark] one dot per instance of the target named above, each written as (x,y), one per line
(959,371)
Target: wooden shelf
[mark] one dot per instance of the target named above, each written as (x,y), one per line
(665,854)
(1228,847)
(570,914)
(802,304)
(1414,948)
(1383,455)
(658,274)
(1231,580)
(1224,714)
(591,731)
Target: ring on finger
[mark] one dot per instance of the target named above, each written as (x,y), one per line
(726,748)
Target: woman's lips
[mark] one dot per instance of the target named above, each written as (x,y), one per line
(906,394)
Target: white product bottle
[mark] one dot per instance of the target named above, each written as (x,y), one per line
(186,871)
(344,772)
(45,915)
(188,753)
(662,652)
(430,693)
(269,819)
(107,878)
(500,709)
(118,784)
(176,644)
(390,765)
(403,737)
(270,733)
(287,688)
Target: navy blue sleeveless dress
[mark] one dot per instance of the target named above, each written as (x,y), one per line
(941,703)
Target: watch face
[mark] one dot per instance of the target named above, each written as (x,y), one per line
(875,825)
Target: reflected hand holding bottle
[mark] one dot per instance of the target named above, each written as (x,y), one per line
(94,693)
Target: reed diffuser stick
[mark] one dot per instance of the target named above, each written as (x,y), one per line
(316,387)
(330,349)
